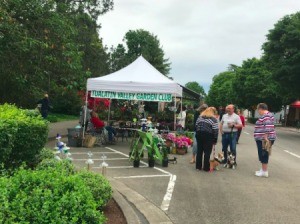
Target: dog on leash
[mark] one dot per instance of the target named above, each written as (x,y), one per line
(231,163)
(215,162)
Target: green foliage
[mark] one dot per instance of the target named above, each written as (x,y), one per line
(64,166)
(24,137)
(253,84)
(45,153)
(140,42)
(196,87)
(40,196)
(282,55)
(98,185)
(221,91)
(50,46)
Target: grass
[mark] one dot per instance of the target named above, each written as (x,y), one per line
(53,117)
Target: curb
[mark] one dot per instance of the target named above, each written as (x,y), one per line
(152,213)
(127,210)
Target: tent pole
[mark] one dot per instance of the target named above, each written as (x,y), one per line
(84,119)
(175,113)
(108,116)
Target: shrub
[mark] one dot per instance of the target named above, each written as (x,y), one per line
(40,196)
(45,153)
(25,135)
(64,166)
(99,186)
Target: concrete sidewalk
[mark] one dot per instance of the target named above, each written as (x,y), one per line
(61,128)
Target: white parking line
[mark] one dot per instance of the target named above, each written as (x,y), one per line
(247,133)
(117,167)
(142,176)
(85,153)
(293,154)
(168,196)
(102,159)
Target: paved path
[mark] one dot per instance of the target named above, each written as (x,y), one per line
(61,128)
(225,196)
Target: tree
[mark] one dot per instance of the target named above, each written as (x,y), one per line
(140,42)
(221,92)
(282,55)
(196,87)
(253,84)
(47,45)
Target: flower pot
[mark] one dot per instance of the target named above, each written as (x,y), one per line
(165,162)
(136,163)
(168,143)
(181,151)
(151,162)
(173,151)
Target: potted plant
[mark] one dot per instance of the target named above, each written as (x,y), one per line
(182,143)
(164,151)
(151,160)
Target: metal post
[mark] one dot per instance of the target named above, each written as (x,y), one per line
(108,116)
(175,113)
(84,119)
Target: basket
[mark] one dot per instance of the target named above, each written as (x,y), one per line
(89,141)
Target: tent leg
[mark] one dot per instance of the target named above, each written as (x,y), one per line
(108,116)
(85,111)
(175,113)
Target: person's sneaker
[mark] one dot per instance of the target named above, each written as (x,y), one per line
(258,171)
(262,174)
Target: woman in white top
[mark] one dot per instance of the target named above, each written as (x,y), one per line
(181,117)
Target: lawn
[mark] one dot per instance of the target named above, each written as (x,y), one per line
(53,117)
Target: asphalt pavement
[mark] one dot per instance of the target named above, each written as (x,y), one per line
(224,196)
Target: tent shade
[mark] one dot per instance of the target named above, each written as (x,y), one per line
(296,104)
(138,77)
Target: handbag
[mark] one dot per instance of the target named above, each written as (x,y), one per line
(267,146)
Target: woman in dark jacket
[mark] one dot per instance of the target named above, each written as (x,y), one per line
(207,130)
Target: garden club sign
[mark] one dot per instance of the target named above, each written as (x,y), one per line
(159,97)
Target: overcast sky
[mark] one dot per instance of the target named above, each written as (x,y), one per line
(201,37)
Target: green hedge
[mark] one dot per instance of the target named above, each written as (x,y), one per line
(53,193)
(24,137)
(40,196)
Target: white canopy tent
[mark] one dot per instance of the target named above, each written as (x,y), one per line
(139,76)
(137,81)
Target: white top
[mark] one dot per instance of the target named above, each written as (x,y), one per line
(181,118)
(138,77)
(228,120)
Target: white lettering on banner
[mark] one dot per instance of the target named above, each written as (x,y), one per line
(159,97)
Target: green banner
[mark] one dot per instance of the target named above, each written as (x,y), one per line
(158,97)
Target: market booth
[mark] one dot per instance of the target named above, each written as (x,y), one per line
(137,81)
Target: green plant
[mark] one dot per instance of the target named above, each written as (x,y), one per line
(24,137)
(40,196)
(98,185)
(64,166)
(45,153)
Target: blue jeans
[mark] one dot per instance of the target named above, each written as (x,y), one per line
(111,131)
(263,155)
(229,139)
